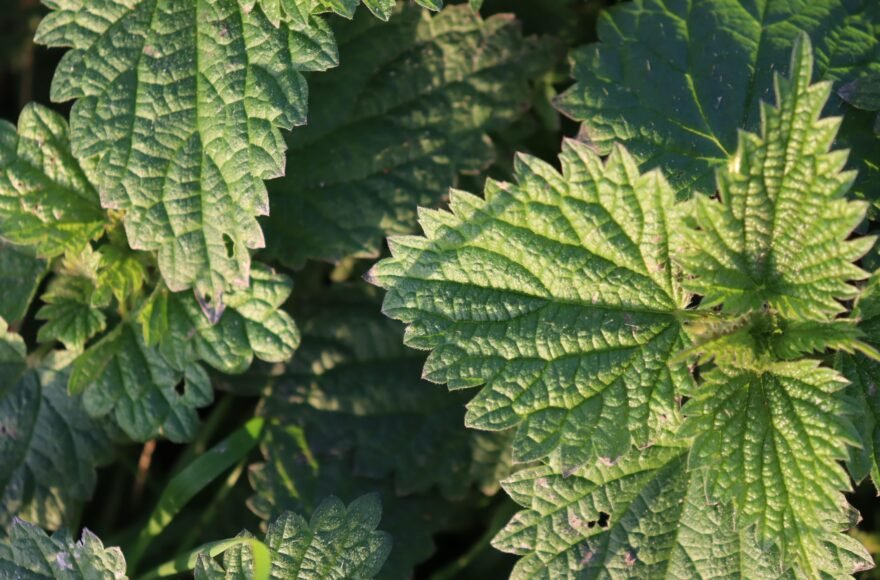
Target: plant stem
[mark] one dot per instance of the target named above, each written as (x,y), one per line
(143,469)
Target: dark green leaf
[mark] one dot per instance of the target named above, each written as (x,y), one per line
(676,81)
(392,128)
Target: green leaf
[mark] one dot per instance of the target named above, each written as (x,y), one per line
(336,542)
(559,294)
(176,120)
(770,441)
(353,388)
(20,276)
(13,358)
(862,93)
(298,10)
(778,236)
(45,198)
(863,374)
(431,4)
(753,339)
(251,323)
(346,8)
(271,332)
(294,477)
(120,271)
(121,378)
(799,338)
(645,516)
(408,112)
(194,478)
(675,81)
(383,9)
(259,553)
(30,554)
(146,373)
(50,447)
(70,314)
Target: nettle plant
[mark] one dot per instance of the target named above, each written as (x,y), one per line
(661,360)
(675,329)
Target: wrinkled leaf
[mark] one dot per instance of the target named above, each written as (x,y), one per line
(294,477)
(336,542)
(69,312)
(45,198)
(771,443)
(405,114)
(135,386)
(643,517)
(676,81)
(178,105)
(778,234)
(50,447)
(863,374)
(559,295)
(30,554)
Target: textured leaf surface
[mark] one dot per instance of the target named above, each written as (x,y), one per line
(252,324)
(49,448)
(557,293)
(294,477)
(20,275)
(176,120)
(298,11)
(863,374)
(643,517)
(69,312)
(120,271)
(770,440)
(146,374)
(778,237)
(353,388)
(30,554)
(675,81)
(45,198)
(336,542)
(134,385)
(405,114)
(271,333)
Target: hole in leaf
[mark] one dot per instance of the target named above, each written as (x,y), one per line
(602,521)
(230,246)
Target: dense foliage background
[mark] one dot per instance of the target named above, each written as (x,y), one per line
(128,489)
(348,415)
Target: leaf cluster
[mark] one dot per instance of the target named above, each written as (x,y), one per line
(661,343)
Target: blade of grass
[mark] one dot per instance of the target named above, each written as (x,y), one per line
(225,403)
(191,480)
(216,504)
(260,552)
